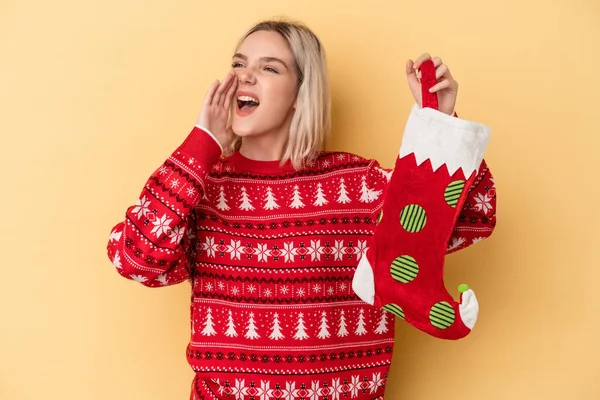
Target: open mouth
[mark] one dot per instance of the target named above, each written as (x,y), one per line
(247,102)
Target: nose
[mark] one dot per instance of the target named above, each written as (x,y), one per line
(246,75)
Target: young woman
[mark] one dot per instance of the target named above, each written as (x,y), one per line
(300,259)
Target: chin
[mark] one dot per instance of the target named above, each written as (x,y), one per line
(243,130)
(244,126)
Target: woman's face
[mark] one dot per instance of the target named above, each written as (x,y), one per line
(267,86)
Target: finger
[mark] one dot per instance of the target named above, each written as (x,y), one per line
(422,58)
(445,84)
(437,61)
(441,71)
(210,93)
(230,93)
(223,87)
(409,67)
(411,73)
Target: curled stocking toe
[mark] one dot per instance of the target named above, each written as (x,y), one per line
(469,308)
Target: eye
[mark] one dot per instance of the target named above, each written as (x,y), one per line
(271,70)
(236,64)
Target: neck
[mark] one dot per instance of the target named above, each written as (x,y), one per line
(263,148)
(268,146)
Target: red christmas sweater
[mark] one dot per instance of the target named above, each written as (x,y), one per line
(271,254)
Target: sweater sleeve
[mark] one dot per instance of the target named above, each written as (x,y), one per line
(151,245)
(438,168)
(477,219)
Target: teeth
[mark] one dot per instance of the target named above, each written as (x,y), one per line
(247,98)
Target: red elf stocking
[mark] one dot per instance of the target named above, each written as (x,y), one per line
(403,270)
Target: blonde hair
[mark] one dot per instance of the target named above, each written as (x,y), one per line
(311,122)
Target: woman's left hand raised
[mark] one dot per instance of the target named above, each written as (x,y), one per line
(446,87)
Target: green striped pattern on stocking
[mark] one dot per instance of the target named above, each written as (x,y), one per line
(441,315)
(394,309)
(453,192)
(413,218)
(404,269)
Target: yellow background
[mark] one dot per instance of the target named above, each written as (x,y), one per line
(95,94)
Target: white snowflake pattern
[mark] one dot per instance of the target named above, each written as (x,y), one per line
(334,390)
(209,287)
(317,288)
(361,248)
(161,225)
(190,234)
(337,250)
(284,289)
(139,278)
(340,157)
(142,207)
(326,163)
(235,291)
(177,234)
(235,249)
(175,183)
(483,202)
(162,278)
(477,240)
(191,191)
(251,289)
(343,286)
(115,235)
(262,252)
(267,292)
(163,170)
(456,243)
(300,292)
(191,160)
(288,251)
(330,290)
(221,286)
(117,260)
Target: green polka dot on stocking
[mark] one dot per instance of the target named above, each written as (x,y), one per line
(394,309)
(404,269)
(441,315)
(413,218)
(453,192)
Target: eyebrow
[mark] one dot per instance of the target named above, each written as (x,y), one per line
(265,59)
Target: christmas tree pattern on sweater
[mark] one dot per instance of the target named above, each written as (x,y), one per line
(270,254)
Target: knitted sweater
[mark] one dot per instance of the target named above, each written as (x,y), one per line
(270,254)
